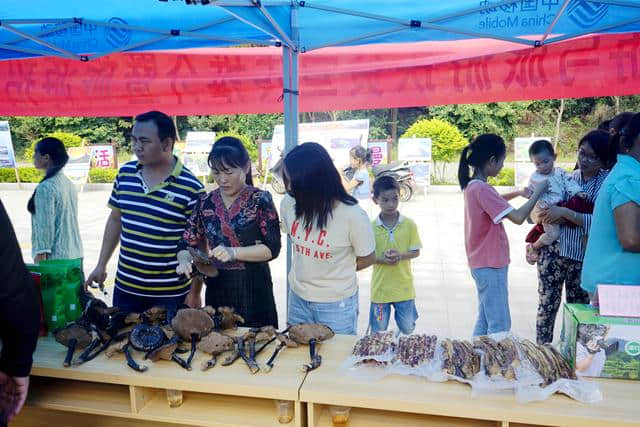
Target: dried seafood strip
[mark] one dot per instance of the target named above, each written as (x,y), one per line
(500,358)
(413,350)
(459,359)
(509,350)
(541,362)
(378,344)
(491,356)
(563,368)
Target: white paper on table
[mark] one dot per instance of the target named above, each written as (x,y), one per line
(619,300)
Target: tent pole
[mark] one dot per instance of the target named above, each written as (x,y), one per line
(290,76)
(288,141)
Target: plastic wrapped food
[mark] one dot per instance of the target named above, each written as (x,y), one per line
(414,350)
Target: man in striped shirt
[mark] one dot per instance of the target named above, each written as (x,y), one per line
(152,199)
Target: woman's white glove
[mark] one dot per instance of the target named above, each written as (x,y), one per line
(185,263)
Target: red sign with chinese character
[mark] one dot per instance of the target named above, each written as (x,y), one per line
(103,156)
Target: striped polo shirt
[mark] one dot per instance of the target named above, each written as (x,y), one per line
(572,239)
(153,221)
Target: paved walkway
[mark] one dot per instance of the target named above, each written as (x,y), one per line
(446,298)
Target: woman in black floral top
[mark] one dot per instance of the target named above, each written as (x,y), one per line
(238,226)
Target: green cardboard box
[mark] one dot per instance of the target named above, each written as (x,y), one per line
(599,346)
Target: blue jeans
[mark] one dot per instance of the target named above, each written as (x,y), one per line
(341,316)
(493,300)
(131,303)
(405,314)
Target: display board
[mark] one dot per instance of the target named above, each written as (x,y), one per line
(196,152)
(415,149)
(523,171)
(77,168)
(379,152)
(422,173)
(521,146)
(337,137)
(7,156)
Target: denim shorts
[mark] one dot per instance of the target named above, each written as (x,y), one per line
(405,314)
(493,300)
(341,316)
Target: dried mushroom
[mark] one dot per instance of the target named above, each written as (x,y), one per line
(192,324)
(311,334)
(214,344)
(74,336)
(229,319)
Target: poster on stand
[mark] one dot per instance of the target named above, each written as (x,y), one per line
(196,152)
(379,152)
(521,146)
(103,156)
(523,171)
(414,149)
(7,156)
(77,168)
(422,173)
(265,155)
(336,137)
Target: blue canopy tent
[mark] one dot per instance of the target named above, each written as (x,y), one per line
(83,31)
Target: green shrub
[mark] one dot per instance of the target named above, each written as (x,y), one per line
(7,175)
(248,143)
(68,139)
(446,141)
(102,175)
(30,174)
(506,178)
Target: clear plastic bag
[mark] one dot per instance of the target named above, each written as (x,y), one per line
(370,360)
(580,390)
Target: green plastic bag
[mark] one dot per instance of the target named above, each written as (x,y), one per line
(61,283)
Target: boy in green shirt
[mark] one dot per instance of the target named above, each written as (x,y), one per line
(397,242)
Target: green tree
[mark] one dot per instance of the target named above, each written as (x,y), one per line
(68,139)
(500,118)
(248,143)
(446,141)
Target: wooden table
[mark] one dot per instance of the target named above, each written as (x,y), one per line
(403,401)
(107,392)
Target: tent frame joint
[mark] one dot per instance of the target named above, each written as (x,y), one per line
(537,43)
(415,23)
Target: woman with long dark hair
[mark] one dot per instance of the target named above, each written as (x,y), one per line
(613,248)
(54,206)
(560,264)
(331,238)
(237,226)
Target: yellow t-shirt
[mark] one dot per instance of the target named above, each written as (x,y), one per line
(394,283)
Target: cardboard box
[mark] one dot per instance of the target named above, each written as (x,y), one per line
(597,346)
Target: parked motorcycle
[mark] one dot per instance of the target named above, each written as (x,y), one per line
(401,171)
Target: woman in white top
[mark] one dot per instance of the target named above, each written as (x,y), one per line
(331,239)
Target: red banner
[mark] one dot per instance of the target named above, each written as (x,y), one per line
(230,81)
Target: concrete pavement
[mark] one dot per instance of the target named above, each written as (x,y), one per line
(446,296)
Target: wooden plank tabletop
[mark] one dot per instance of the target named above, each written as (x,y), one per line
(329,385)
(283,382)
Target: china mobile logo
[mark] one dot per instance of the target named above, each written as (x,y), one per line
(585,14)
(117,37)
